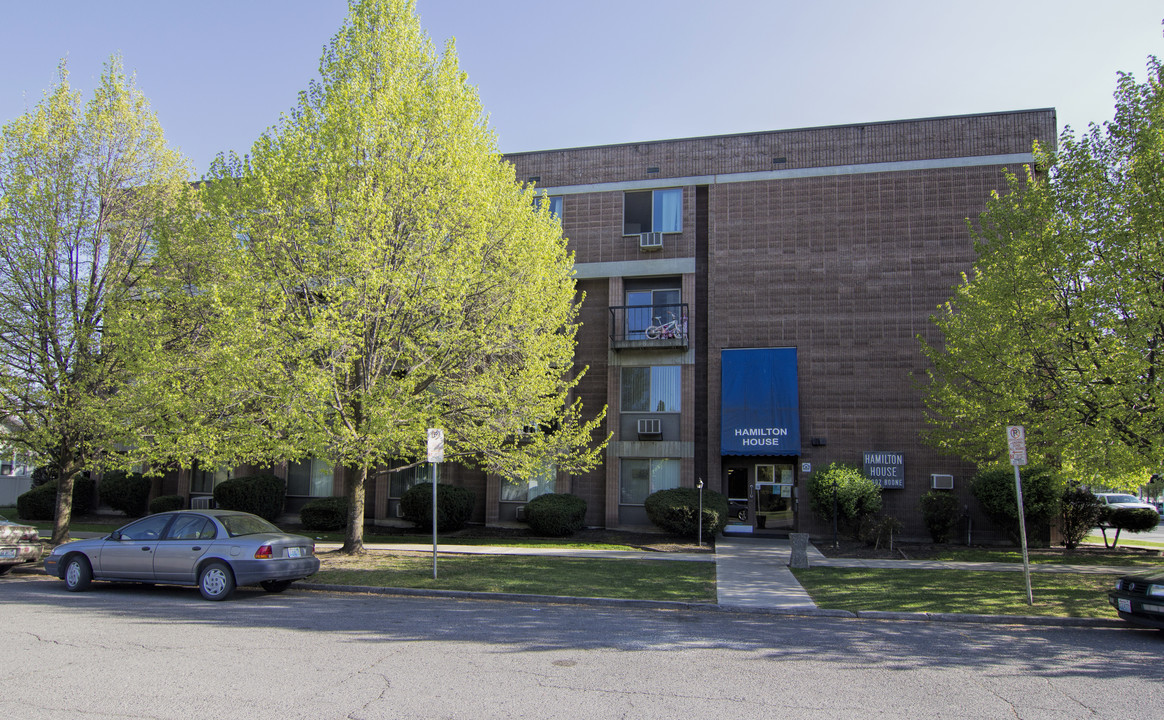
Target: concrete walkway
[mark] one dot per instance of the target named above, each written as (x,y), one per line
(753,573)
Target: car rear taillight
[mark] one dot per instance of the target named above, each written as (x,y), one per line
(263,553)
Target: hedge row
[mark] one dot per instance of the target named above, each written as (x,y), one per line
(676,511)
(558,515)
(40,503)
(454,506)
(261,495)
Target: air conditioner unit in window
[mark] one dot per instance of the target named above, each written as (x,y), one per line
(650,426)
(942,482)
(651,241)
(519,514)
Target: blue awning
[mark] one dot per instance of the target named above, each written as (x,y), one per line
(760,403)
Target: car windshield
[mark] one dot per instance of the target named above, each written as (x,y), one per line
(246,525)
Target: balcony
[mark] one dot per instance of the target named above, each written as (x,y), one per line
(650,327)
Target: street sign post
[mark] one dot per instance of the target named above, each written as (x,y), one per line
(436,454)
(1016,440)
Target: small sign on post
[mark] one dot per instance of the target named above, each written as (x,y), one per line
(436,445)
(436,454)
(1016,440)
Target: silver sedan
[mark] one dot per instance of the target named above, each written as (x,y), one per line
(216,550)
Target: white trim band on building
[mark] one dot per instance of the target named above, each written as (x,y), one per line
(761,175)
(635,268)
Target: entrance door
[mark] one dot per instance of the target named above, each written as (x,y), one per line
(774,498)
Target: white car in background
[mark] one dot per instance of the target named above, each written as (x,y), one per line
(1123,500)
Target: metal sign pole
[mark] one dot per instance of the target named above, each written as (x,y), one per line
(1018,489)
(436,454)
(1016,438)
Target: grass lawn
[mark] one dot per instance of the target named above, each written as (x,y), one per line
(371,537)
(958,591)
(1126,540)
(1015,555)
(628,579)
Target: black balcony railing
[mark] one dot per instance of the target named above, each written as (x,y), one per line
(649,326)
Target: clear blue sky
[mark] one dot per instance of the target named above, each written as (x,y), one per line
(591,72)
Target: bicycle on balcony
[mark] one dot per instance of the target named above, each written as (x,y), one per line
(666,330)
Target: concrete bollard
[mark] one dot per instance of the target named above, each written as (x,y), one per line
(799,550)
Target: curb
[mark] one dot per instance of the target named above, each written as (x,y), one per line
(1033,620)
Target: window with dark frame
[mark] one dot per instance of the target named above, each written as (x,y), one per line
(652,211)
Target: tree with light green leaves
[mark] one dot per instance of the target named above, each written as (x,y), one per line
(81,184)
(372,269)
(1059,325)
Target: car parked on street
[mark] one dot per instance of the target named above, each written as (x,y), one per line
(19,544)
(1139,599)
(215,550)
(1123,500)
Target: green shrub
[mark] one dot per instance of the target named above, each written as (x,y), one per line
(324,514)
(881,530)
(940,512)
(1080,510)
(454,506)
(1042,497)
(166,503)
(261,495)
(1134,520)
(858,498)
(127,492)
(553,515)
(676,510)
(40,503)
(44,474)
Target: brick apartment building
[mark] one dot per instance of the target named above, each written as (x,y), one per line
(751,314)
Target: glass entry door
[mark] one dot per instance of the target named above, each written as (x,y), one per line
(774,498)
(761,497)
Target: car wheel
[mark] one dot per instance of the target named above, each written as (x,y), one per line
(216,581)
(78,573)
(276,586)
(4,569)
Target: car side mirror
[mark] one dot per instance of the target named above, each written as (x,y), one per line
(115,535)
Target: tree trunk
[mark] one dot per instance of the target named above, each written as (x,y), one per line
(64,513)
(354,540)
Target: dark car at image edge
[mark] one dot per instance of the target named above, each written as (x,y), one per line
(214,550)
(1139,599)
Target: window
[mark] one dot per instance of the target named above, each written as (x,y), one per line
(149,529)
(554,201)
(652,211)
(647,307)
(399,482)
(14,463)
(526,490)
(641,477)
(204,481)
(651,389)
(191,527)
(310,478)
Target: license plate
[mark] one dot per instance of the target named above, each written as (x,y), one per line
(1124,605)
(7,552)
(294,552)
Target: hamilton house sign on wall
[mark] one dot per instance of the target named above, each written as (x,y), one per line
(887,469)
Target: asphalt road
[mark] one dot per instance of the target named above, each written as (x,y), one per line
(122,651)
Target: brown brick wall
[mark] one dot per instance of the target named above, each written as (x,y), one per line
(923,139)
(847,268)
